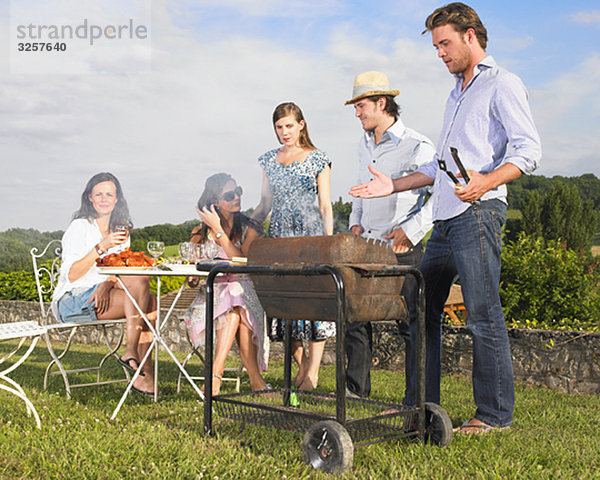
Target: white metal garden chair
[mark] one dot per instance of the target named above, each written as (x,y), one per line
(66,331)
(21,331)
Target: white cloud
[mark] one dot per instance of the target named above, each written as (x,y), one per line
(273,8)
(591,16)
(567,112)
(205,107)
(518,43)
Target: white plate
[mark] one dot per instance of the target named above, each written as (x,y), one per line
(181,268)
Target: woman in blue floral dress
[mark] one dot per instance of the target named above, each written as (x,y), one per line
(294,177)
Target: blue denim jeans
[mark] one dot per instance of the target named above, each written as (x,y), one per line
(469,246)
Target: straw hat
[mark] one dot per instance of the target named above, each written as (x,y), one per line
(371,83)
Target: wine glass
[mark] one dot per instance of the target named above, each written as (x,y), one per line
(187,250)
(210,250)
(155,249)
(124,229)
(197,252)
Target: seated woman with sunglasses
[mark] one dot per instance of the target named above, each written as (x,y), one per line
(238,314)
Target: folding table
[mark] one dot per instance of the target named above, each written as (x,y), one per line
(158,272)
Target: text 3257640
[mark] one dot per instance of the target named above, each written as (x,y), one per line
(42,47)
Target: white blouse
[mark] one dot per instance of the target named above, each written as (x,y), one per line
(80,238)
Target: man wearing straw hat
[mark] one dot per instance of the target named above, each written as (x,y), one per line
(400,220)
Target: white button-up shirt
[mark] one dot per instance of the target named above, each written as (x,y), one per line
(81,236)
(401,151)
(490,124)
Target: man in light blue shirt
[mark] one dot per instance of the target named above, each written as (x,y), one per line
(400,220)
(488,121)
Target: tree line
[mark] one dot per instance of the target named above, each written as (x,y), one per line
(16,243)
(588,187)
(553,207)
(560,210)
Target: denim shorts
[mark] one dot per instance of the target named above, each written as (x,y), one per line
(75,307)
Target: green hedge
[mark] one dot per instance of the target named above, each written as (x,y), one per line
(167,284)
(20,286)
(546,285)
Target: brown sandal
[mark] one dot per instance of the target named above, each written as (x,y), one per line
(469,427)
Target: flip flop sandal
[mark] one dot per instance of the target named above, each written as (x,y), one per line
(127,365)
(142,392)
(468,428)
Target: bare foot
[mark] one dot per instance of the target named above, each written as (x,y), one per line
(216,384)
(309,383)
(476,426)
(300,377)
(258,384)
(298,380)
(145,384)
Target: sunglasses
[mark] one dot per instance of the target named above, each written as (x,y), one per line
(231,194)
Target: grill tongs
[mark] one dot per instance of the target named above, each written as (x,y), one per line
(461,167)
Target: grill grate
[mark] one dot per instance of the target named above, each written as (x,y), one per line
(365,419)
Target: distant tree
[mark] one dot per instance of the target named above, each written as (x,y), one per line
(166,232)
(16,243)
(532,211)
(518,190)
(341,214)
(561,215)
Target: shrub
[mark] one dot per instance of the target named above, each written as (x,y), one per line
(167,284)
(20,286)
(545,285)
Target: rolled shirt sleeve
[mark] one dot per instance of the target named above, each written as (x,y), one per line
(511,106)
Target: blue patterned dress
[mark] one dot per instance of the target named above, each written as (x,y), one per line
(294,214)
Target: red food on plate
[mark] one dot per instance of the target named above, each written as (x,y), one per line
(126,258)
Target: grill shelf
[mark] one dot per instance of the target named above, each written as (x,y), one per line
(366,420)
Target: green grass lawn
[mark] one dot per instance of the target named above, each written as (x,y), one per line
(171,251)
(555,435)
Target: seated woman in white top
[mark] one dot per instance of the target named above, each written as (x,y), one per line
(83,294)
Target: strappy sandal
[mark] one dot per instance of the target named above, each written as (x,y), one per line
(470,428)
(127,364)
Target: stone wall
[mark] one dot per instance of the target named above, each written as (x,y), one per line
(560,360)
(15,311)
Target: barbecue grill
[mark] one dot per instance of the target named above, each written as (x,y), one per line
(368,297)
(315,278)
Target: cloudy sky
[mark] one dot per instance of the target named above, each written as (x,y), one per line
(196,96)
